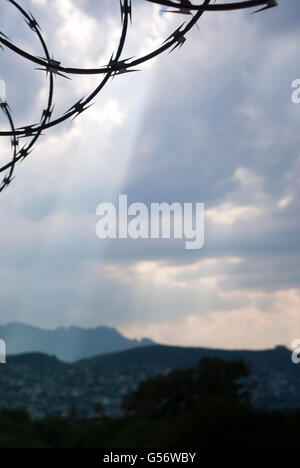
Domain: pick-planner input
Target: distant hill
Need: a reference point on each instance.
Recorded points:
(44, 385)
(67, 344)
(278, 359)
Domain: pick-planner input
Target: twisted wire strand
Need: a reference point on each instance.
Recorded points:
(115, 67)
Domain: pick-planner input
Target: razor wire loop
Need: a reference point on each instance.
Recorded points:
(52, 66)
(115, 67)
(25, 150)
(35, 130)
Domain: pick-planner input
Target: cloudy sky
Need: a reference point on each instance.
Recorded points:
(211, 123)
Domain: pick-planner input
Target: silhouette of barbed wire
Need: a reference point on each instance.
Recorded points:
(116, 66)
(23, 152)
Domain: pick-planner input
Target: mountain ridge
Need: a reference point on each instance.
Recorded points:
(68, 344)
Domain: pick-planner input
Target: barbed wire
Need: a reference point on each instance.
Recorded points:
(23, 152)
(116, 66)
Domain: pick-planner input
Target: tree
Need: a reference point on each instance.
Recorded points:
(180, 389)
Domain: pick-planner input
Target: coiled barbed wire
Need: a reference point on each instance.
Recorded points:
(24, 151)
(116, 66)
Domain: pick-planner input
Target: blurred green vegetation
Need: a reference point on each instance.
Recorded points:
(201, 407)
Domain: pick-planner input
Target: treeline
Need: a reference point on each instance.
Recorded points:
(203, 407)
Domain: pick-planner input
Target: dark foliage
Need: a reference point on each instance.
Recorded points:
(202, 407)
